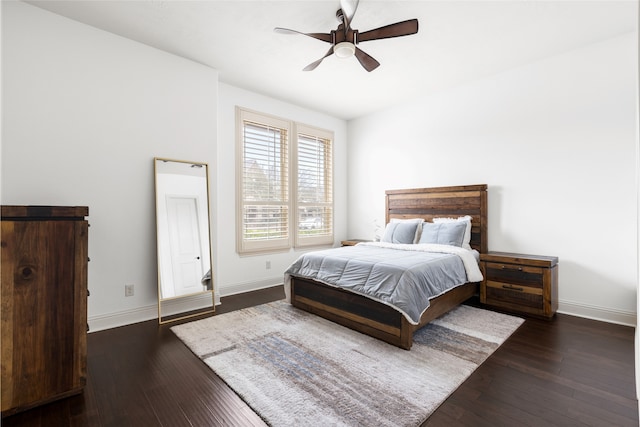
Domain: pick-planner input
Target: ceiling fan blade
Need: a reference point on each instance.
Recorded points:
(325, 37)
(367, 61)
(349, 9)
(315, 64)
(398, 29)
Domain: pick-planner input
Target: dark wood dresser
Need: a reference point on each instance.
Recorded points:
(44, 255)
(524, 284)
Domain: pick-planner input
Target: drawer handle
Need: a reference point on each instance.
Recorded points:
(504, 267)
(513, 288)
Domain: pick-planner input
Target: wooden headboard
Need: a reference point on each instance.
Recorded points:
(435, 202)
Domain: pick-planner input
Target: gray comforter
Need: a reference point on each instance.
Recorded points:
(404, 277)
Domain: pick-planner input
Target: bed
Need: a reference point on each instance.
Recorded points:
(376, 318)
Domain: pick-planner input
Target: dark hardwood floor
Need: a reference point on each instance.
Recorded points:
(565, 372)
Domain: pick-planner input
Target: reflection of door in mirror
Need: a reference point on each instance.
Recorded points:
(182, 214)
(184, 246)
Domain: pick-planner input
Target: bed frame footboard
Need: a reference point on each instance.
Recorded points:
(368, 316)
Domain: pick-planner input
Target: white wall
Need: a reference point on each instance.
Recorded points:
(84, 113)
(554, 141)
(241, 273)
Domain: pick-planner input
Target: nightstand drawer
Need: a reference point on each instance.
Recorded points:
(515, 274)
(353, 242)
(499, 293)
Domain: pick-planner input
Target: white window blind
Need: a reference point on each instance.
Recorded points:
(314, 187)
(264, 183)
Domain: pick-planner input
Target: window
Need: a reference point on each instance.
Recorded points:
(314, 187)
(276, 211)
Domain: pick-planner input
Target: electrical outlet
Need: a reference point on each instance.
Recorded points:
(128, 290)
(268, 265)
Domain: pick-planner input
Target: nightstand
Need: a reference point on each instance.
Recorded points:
(352, 242)
(525, 284)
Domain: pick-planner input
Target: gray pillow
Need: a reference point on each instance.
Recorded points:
(400, 232)
(443, 233)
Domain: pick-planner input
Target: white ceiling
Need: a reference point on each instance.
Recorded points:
(458, 41)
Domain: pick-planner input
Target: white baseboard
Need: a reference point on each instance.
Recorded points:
(620, 317)
(122, 318)
(181, 305)
(150, 312)
(141, 314)
(239, 288)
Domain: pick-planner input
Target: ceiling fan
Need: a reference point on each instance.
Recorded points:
(344, 39)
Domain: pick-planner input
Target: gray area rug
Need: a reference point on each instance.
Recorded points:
(294, 368)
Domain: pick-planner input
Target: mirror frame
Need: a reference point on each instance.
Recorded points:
(198, 311)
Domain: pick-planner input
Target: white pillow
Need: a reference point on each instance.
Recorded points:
(467, 233)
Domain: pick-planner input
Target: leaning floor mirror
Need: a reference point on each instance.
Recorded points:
(185, 279)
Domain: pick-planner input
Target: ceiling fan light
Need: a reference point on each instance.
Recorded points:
(344, 50)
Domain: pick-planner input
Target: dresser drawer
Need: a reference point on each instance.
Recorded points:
(515, 274)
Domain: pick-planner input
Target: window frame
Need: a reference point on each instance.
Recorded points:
(296, 237)
(247, 246)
